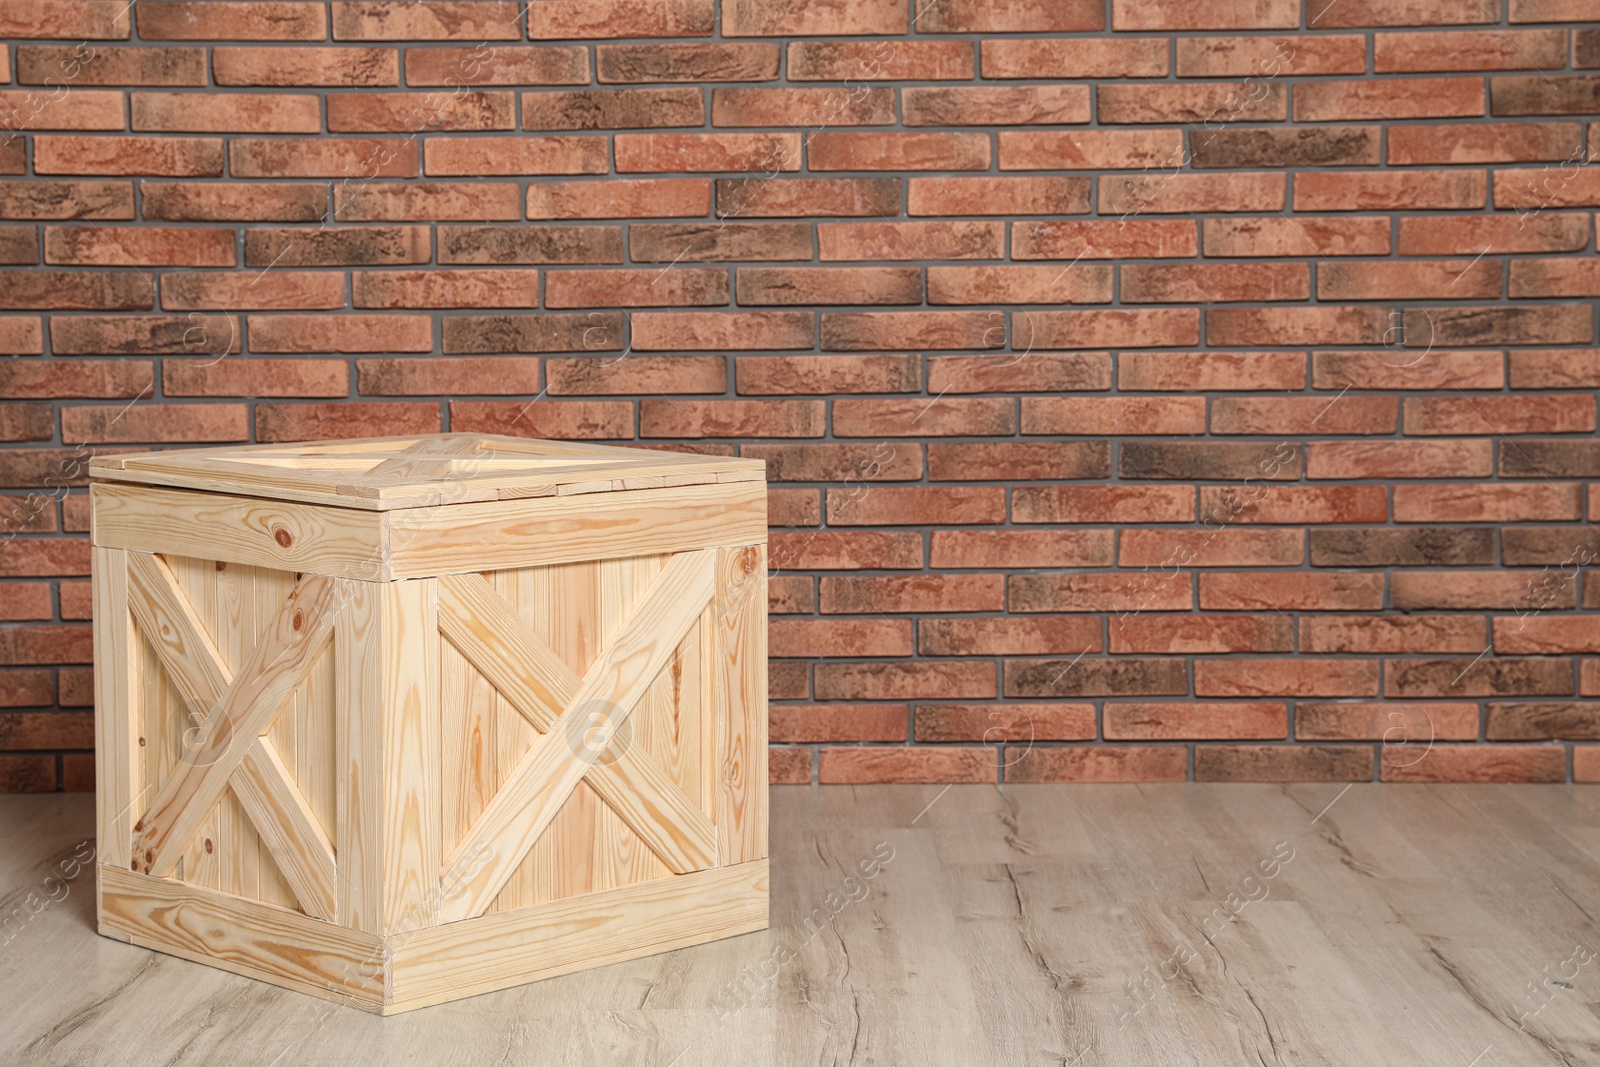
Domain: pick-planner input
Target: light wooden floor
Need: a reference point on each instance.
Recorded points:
(1404, 924)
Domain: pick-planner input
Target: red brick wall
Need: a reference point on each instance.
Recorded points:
(1150, 389)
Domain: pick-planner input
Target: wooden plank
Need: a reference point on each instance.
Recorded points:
(274, 668)
(243, 936)
(523, 533)
(527, 944)
(534, 793)
(412, 805)
(288, 827)
(119, 785)
(170, 623)
(358, 822)
(237, 529)
(741, 694)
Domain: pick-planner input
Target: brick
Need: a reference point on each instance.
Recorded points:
(827, 375)
(242, 377)
(1266, 591)
(1120, 415)
(998, 196)
(155, 423)
(1489, 142)
(867, 330)
(589, 376)
(571, 19)
(742, 331)
(306, 66)
(45, 644)
(354, 158)
(1266, 56)
(1483, 763)
(1007, 16)
(1543, 94)
(568, 420)
(905, 681)
(1538, 278)
(26, 421)
(956, 239)
(47, 730)
(788, 766)
(956, 461)
(414, 113)
(719, 62)
(837, 462)
(109, 65)
(1148, 283)
(1165, 194)
(232, 20)
(1444, 235)
(444, 289)
(66, 18)
(19, 246)
(898, 151)
(1469, 590)
(432, 201)
(840, 765)
(21, 336)
(1207, 460)
(82, 109)
(1202, 102)
(1428, 546)
(80, 290)
(702, 242)
(1001, 105)
(1412, 98)
(1554, 369)
(1095, 677)
(1293, 504)
(1021, 285)
(1296, 326)
(1442, 279)
(64, 378)
(842, 637)
(197, 336)
(1301, 677)
(1181, 15)
(781, 107)
(1438, 369)
(1487, 503)
(1542, 189)
(685, 287)
(1549, 545)
(338, 246)
(643, 198)
(377, 20)
(788, 681)
(898, 61)
(1499, 415)
(213, 112)
(806, 197)
(1210, 371)
(1099, 763)
(28, 774)
(1108, 239)
(1543, 722)
(14, 153)
(1389, 191)
(1299, 236)
(1029, 636)
(1547, 635)
(187, 157)
(789, 595)
(536, 65)
(233, 202)
(1325, 634)
(828, 285)
(1022, 548)
(1074, 57)
(813, 18)
(595, 332)
(1547, 324)
(1474, 50)
(1202, 633)
(532, 244)
(846, 550)
(995, 723)
(315, 422)
(1200, 721)
(136, 246)
(340, 333)
(612, 109)
(516, 155)
(1099, 592)
(30, 686)
(302, 290)
(66, 200)
(916, 506)
(692, 152)
(43, 557)
(1324, 14)
(838, 722)
(1282, 763)
(1089, 150)
(1102, 503)
(489, 375)
(1141, 328)
(1211, 548)
(1399, 726)
(1034, 372)
(730, 418)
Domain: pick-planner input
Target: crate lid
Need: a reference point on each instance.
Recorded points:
(427, 470)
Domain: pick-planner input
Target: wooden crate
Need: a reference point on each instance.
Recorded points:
(404, 720)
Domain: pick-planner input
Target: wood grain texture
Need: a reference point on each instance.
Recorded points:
(740, 702)
(119, 785)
